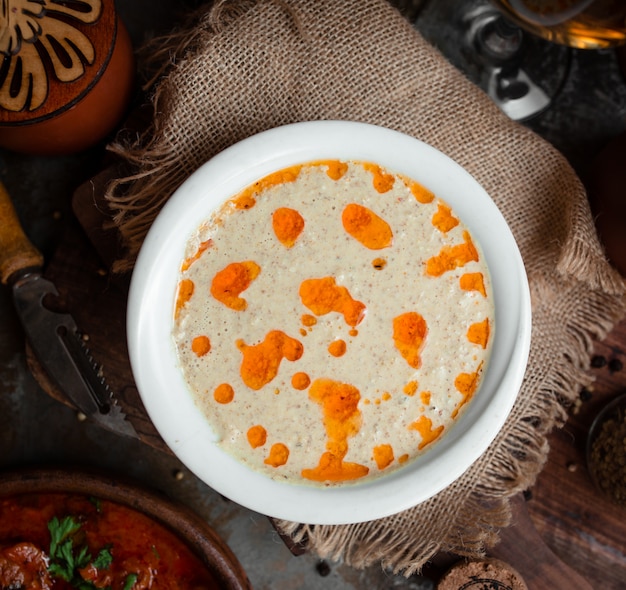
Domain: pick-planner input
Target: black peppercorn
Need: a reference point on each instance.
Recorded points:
(585, 395)
(598, 361)
(323, 569)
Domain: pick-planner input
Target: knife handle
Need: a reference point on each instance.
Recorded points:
(16, 251)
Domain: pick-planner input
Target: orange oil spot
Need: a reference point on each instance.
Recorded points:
(257, 436)
(379, 263)
(451, 257)
(300, 381)
(466, 384)
(386, 396)
(261, 361)
(403, 458)
(478, 333)
(421, 193)
(409, 333)
(201, 345)
(424, 426)
(382, 181)
(224, 393)
(425, 397)
(308, 320)
(383, 455)
(246, 198)
(337, 348)
(288, 225)
(201, 248)
(339, 402)
(342, 419)
(335, 168)
(332, 468)
(366, 227)
(353, 333)
(443, 219)
(473, 281)
(185, 291)
(231, 281)
(410, 388)
(323, 296)
(279, 453)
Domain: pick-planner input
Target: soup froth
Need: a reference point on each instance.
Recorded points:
(332, 321)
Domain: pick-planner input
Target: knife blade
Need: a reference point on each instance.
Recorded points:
(54, 337)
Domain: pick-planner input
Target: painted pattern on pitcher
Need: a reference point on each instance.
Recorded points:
(36, 32)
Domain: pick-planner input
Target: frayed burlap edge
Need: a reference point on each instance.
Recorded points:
(586, 261)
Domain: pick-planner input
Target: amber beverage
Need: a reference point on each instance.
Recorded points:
(585, 24)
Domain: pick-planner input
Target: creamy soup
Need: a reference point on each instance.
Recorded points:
(332, 322)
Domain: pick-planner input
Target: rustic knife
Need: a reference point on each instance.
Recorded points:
(54, 337)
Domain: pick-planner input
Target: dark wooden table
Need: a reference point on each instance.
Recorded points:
(581, 526)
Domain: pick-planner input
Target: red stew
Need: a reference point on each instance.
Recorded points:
(138, 552)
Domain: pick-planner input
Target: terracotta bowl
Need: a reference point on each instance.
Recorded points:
(186, 525)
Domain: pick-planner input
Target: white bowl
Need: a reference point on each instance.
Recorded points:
(150, 320)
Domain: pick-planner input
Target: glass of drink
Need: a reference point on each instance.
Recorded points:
(583, 24)
(523, 45)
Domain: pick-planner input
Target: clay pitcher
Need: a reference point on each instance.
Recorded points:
(66, 76)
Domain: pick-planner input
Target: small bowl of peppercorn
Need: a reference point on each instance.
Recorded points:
(606, 450)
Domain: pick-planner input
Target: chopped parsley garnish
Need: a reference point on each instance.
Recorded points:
(60, 531)
(130, 581)
(66, 560)
(103, 560)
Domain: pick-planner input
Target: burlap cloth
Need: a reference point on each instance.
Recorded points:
(243, 67)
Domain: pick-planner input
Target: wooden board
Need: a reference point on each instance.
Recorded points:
(97, 302)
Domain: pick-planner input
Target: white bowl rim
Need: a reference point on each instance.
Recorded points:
(151, 301)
